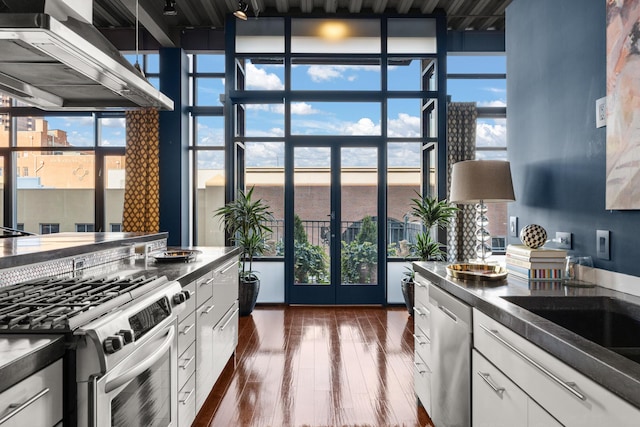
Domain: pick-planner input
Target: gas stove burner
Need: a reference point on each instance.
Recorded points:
(66, 303)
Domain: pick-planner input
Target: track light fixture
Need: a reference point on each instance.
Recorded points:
(169, 8)
(241, 13)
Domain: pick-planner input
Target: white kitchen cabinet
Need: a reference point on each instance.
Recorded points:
(497, 401)
(422, 342)
(568, 396)
(205, 380)
(187, 357)
(538, 417)
(216, 326)
(35, 401)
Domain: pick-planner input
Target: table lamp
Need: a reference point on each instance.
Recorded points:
(480, 182)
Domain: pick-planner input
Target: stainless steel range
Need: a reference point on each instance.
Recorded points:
(121, 333)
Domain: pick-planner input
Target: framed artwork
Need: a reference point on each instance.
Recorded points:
(623, 104)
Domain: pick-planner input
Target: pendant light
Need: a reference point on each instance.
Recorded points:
(241, 13)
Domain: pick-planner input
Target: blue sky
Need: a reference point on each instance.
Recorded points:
(322, 118)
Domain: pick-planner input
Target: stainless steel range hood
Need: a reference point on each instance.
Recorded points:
(52, 57)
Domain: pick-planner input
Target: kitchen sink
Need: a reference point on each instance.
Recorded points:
(606, 321)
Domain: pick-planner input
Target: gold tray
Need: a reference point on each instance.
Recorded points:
(477, 272)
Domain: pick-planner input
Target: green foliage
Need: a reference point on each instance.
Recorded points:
(409, 274)
(433, 212)
(244, 219)
(368, 231)
(310, 263)
(427, 249)
(299, 233)
(357, 261)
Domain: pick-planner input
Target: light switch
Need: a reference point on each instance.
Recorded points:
(602, 244)
(513, 226)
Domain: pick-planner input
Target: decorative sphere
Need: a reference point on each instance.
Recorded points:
(533, 236)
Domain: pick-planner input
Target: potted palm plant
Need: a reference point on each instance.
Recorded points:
(245, 221)
(432, 213)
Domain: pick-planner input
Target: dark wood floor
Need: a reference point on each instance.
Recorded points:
(319, 366)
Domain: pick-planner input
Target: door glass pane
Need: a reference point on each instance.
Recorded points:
(359, 224)
(403, 178)
(312, 215)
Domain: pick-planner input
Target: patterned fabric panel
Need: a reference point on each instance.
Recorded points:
(141, 211)
(461, 145)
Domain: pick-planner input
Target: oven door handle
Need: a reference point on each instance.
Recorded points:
(146, 364)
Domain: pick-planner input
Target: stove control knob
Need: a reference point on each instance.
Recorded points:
(179, 298)
(113, 343)
(127, 335)
(187, 295)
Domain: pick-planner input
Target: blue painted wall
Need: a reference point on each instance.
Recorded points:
(556, 69)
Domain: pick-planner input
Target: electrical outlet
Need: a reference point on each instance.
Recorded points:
(513, 226)
(563, 239)
(602, 244)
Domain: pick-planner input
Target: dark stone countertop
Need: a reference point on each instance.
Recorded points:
(21, 355)
(613, 371)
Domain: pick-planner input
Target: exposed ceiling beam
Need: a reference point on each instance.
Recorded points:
(477, 10)
(306, 6)
(497, 11)
(187, 10)
(403, 6)
(379, 6)
(330, 6)
(150, 17)
(214, 16)
(355, 6)
(104, 15)
(453, 6)
(282, 6)
(428, 6)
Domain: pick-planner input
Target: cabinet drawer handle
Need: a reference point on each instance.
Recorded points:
(569, 386)
(417, 338)
(448, 312)
(187, 397)
(229, 320)
(485, 376)
(420, 370)
(187, 362)
(186, 330)
(208, 310)
(228, 267)
(419, 311)
(420, 284)
(207, 282)
(19, 407)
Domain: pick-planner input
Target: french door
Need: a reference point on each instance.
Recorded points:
(336, 253)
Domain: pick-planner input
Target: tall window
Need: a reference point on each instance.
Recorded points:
(206, 97)
(482, 79)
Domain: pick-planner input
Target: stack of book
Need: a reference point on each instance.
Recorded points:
(535, 264)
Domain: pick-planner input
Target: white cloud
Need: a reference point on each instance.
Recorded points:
(258, 78)
(319, 73)
(113, 122)
(404, 126)
(491, 134)
(493, 103)
(302, 108)
(364, 126)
